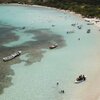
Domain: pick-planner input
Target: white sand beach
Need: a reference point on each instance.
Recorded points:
(95, 21)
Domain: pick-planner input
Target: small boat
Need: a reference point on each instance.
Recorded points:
(12, 56)
(68, 32)
(79, 27)
(90, 23)
(73, 24)
(97, 21)
(53, 46)
(87, 20)
(80, 79)
(53, 25)
(88, 31)
(23, 27)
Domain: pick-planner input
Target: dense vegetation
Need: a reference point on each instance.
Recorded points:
(88, 8)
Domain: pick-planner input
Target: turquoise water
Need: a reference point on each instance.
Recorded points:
(38, 80)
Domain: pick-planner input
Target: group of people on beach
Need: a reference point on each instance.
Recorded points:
(80, 78)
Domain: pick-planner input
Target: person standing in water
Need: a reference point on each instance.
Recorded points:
(57, 83)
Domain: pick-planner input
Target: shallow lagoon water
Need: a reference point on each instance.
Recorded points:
(38, 79)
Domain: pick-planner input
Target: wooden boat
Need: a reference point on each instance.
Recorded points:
(53, 46)
(12, 56)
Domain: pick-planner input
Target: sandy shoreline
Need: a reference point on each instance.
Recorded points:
(95, 21)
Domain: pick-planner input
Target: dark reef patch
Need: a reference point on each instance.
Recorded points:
(7, 34)
(35, 50)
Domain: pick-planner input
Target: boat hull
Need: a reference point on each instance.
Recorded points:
(8, 58)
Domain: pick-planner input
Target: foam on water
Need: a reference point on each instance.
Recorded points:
(38, 80)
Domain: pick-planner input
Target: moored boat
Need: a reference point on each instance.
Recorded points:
(88, 31)
(12, 56)
(79, 27)
(68, 32)
(90, 23)
(53, 46)
(73, 24)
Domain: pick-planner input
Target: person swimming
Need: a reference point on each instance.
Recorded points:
(62, 91)
(57, 83)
